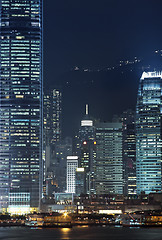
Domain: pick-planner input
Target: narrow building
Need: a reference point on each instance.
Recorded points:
(109, 165)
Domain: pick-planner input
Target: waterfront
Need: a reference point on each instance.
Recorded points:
(82, 233)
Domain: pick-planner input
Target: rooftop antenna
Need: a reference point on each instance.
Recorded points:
(86, 109)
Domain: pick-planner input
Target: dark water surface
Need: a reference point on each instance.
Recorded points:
(86, 233)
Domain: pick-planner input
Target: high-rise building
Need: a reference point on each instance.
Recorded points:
(52, 115)
(80, 181)
(148, 133)
(72, 165)
(86, 150)
(129, 152)
(59, 165)
(20, 104)
(52, 111)
(109, 165)
(47, 118)
(56, 98)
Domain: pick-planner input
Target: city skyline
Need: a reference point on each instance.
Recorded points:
(48, 148)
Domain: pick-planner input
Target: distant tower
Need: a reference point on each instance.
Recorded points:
(148, 133)
(129, 152)
(56, 104)
(72, 165)
(109, 165)
(86, 150)
(62, 149)
(52, 116)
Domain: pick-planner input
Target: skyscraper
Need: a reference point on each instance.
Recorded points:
(21, 103)
(109, 165)
(52, 115)
(56, 115)
(59, 166)
(86, 150)
(129, 151)
(148, 133)
(72, 165)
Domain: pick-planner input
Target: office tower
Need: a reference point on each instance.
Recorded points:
(87, 129)
(56, 115)
(109, 166)
(72, 165)
(21, 104)
(52, 107)
(86, 150)
(80, 181)
(46, 134)
(52, 115)
(148, 133)
(47, 118)
(129, 152)
(58, 166)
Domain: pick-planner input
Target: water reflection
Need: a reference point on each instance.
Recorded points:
(84, 226)
(65, 233)
(65, 230)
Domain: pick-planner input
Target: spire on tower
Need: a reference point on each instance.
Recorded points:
(87, 109)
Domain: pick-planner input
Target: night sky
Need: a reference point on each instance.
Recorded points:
(96, 34)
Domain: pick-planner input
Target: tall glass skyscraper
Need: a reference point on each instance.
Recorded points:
(20, 103)
(148, 133)
(129, 152)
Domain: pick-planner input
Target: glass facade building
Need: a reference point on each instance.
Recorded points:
(21, 100)
(129, 152)
(86, 150)
(109, 164)
(148, 133)
(72, 165)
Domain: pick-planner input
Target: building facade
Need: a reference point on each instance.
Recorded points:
(129, 152)
(72, 165)
(109, 165)
(148, 133)
(86, 150)
(21, 103)
(59, 166)
(52, 118)
(52, 114)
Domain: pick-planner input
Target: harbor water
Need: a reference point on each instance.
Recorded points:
(82, 233)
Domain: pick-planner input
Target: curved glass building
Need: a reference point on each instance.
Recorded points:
(20, 103)
(148, 133)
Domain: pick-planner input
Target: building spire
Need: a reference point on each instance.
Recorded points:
(87, 109)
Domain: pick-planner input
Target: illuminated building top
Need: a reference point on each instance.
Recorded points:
(72, 157)
(86, 123)
(151, 75)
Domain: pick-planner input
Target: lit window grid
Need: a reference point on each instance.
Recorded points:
(17, 65)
